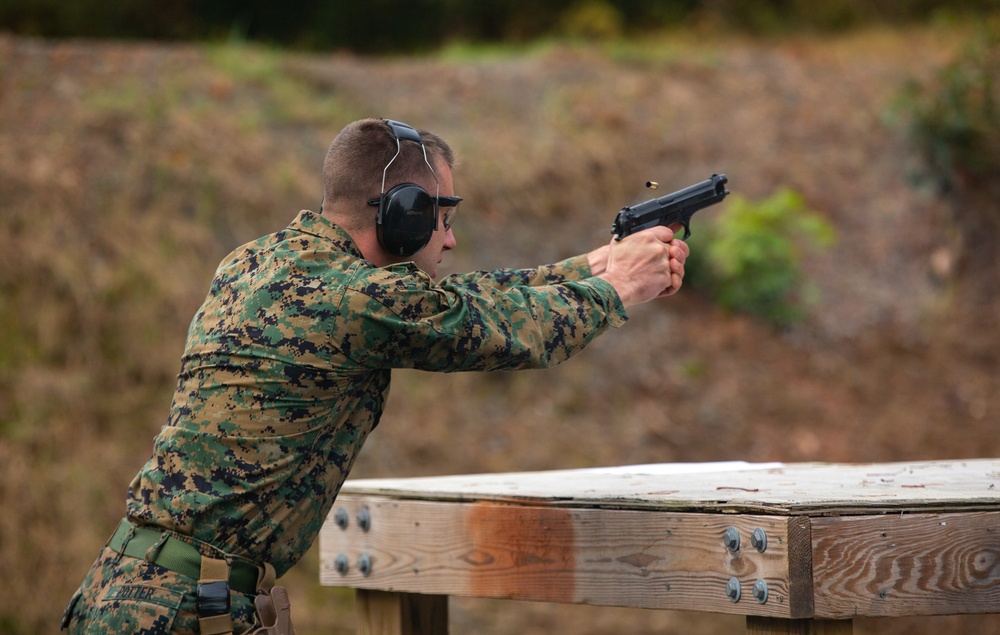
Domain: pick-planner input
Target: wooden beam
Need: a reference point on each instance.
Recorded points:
(773, 626)
(386, 613)
(610, 557)
(906, 564)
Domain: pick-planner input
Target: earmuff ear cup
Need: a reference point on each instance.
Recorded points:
(406, 219)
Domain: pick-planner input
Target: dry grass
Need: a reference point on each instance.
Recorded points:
(127, 172)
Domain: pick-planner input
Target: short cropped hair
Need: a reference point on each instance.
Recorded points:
(352, 170)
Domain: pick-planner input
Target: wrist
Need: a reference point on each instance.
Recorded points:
(621, 286)
(598, 260)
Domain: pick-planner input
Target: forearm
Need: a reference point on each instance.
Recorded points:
(576, 268)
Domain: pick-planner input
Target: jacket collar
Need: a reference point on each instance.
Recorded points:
(322, 227)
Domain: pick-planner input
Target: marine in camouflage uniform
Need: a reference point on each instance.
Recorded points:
(285, 373)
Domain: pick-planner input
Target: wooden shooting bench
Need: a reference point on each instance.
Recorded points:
(797, 548)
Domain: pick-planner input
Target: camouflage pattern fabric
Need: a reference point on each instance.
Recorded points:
(130, 595)
(287, 367)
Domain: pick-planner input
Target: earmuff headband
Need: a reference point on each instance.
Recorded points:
(401, 131)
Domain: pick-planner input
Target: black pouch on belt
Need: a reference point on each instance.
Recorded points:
(213, 597)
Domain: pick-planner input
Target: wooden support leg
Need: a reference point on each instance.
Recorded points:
(777, 626)
(386, 613)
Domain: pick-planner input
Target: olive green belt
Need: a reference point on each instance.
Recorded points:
(178, 556)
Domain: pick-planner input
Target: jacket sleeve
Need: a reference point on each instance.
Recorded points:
(575, 268)
(397, 317)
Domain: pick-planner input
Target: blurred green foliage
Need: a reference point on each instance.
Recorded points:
(592, 19)
(750, 256)
(954, 119)
(393, 26)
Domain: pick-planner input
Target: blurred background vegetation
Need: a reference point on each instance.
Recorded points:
(391, 26)
(841, 305)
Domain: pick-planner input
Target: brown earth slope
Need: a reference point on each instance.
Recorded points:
(128, 171)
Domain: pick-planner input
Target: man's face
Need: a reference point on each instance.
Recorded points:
(442, 240)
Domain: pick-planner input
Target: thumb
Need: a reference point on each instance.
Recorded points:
(284, 609)
(265, 608)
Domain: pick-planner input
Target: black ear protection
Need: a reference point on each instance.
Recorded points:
(407, 214)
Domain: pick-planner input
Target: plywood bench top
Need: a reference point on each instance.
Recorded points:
(761, 488)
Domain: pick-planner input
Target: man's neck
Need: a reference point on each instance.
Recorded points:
(366, 238)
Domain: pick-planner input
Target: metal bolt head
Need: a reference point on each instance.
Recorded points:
(759, 539)
(733, 590)
(340, 564)
(731, 539)
(340, 518)
(760, 591)
(365, 564)
(364, 519)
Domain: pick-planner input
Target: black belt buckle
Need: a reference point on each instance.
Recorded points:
(213, 598)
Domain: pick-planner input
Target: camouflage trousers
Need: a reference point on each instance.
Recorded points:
(130, 595)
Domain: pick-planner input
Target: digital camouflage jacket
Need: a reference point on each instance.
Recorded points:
(286, 371)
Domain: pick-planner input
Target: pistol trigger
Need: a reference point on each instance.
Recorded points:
(687, 230)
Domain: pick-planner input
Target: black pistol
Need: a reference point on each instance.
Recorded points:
(678, 207)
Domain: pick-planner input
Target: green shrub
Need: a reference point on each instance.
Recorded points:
(592, 20)
(954, 123)
(749, 257)
(954, 120)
